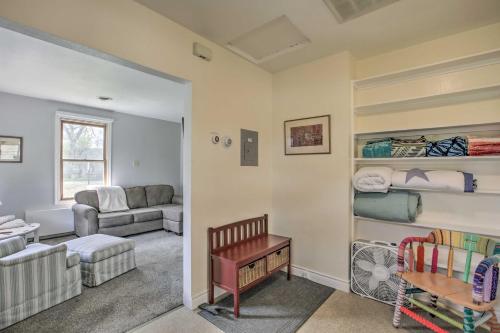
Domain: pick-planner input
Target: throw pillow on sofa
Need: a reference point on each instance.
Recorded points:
(159, 194)
(136, 197)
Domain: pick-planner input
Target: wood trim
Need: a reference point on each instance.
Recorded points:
(307, 118)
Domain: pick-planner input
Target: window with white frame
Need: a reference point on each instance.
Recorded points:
(83, 154)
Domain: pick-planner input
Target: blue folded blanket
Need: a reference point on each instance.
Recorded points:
(397, 206)
(456, 146)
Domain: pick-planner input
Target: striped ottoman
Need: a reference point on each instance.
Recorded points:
(103, 257)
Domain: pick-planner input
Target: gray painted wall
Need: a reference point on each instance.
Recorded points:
(30, 185)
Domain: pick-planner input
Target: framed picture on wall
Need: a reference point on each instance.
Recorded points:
(11, 149)
(307, 136)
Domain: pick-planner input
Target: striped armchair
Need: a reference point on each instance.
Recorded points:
(34, 278)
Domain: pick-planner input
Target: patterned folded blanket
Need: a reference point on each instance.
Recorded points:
(456, 146)
(446, 180)
(409, 147)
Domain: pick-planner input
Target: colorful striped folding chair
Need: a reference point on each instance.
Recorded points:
(478, 296)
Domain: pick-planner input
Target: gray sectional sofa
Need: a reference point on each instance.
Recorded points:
(152, 207)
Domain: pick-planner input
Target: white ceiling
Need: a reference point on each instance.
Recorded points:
(398, 25)
(35, 68)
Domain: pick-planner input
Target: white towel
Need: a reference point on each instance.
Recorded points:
(13, 224)
(437, 180)
(7, 218)
(373, 179)
(111, 199)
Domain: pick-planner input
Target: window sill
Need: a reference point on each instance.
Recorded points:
(65, 203)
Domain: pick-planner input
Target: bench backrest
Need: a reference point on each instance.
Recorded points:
(231, 234)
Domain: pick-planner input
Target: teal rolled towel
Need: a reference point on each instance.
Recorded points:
(397, 206)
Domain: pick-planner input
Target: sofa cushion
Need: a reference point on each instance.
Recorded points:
(159, 194)
(88, 197)
(11, 245)
(146, 214)
(72, 259)
(107, 220)
(98, 247)
(136, 197)
(171, 212)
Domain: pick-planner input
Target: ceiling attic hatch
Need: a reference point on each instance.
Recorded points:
(345, 10)
(268, 41)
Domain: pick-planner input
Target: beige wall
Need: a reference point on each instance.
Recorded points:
(441, 49)
(311, 192)
(228, 94)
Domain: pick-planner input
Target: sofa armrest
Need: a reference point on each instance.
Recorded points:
(85, 219)
(20, 259)
(177, 199)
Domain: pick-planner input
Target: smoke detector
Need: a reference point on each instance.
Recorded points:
(345, 10)
(268, 41)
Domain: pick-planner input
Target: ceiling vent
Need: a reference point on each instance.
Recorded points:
(268, 41)
(345, 10)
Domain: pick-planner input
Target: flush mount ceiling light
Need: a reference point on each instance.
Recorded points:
(345, 10)
(268, 41)
(105, 98)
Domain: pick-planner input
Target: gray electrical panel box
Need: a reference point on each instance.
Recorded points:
(249, 148)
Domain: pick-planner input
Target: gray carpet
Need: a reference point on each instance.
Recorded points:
(276, 305)
(125, 302)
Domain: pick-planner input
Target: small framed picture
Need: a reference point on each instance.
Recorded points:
(11, 149)
(307, 136)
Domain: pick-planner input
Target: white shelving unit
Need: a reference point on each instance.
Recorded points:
(445, 213)
(442, 67)
(425, 224)
(420, 102)
(426, 159)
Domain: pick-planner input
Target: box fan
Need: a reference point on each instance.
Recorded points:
(374, 266)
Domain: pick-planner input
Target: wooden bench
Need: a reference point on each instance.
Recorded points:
(243, 254)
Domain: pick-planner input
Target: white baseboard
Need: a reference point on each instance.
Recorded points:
(203, 297)
(321, 278)
(324, 279)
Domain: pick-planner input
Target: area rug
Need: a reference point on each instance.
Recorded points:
(275, 305)
(125, 302)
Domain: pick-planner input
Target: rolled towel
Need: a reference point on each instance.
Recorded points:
(7, 218)
(13, 224)
(373, 179)
(397, 206)
(444, 180)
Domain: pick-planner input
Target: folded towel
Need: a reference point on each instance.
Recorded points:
(111, 199)
(397, 206)
(483, 146)
(444, 180)
(13, 224)
(373, 179)
(7, 218)
(378, 148)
